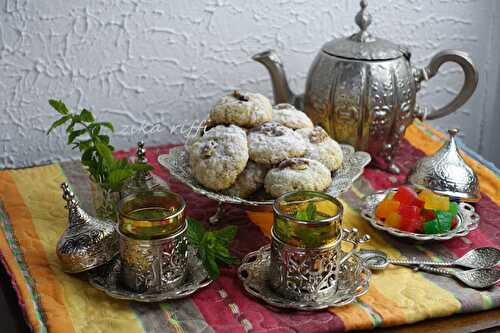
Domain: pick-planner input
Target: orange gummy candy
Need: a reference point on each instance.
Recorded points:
(385, 208)
(393, 220)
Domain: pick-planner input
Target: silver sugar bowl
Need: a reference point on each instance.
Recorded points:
(87, 242)
(153, 241)
(362, 89)
(306, 254)
(447, 173)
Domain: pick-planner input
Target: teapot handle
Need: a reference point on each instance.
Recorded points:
(468, 88)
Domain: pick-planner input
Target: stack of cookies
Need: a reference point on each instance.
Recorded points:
(249, 145)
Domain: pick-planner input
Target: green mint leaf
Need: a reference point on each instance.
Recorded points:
(311, 211)
(59, 106)
(106, 154)
(195, 231)
(84, 145)
(74, 134)
(108, 125)
(86, 116)
(226, 234)
(141, 167)
(58, 123)
(104, 139)
(116, 177)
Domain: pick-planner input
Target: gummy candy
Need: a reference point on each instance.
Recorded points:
(424, 194)
(385, 208)
(405, 195)
(432, 227)
(453, 208)
(437, 202)
(444, 219)
(409, 212)
(411, 225)
(393, 220)
(428, 214)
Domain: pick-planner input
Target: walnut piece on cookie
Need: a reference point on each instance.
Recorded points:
(297, 174)
(321, 147)
(271, 143)
(287, 115)
(219, 156)
(243, 109)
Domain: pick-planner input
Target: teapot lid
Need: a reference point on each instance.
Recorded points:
(363, 45)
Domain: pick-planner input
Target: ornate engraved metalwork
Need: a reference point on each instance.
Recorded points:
(353, 281)
(305, 274)
(467, 220)
(107, 279)
(88, 242)
(177, 163)
(344, 89)
(447, 173)
(154, 265)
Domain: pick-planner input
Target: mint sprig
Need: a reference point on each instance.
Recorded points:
(307, 214)
(85, 133)
(212, 246)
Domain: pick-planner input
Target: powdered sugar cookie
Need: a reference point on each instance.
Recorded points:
(271, 143)
(219, 156)
(242, 109)
(297, 174)
(287, 115)
(249, 181)
(321, 147)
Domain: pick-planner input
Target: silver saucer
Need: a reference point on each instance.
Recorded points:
(467, 220)
(106, 279)
(354, 280)
(177, 163)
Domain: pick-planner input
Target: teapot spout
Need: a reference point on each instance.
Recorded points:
(281, 90)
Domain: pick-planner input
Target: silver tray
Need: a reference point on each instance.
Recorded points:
(177, 163)
(467, 219)
(106, 279)
(253, 272)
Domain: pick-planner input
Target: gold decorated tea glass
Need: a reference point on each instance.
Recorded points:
(306, 238)
(153, 243)
(307, 219)
(151, 214)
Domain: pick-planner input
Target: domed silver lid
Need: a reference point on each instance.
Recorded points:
(87, 242)
(446, 173)
(363, 45)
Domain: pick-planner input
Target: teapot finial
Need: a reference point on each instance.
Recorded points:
(141, 152)
(363, 20)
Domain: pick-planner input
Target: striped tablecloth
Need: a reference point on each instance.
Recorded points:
(33, 217)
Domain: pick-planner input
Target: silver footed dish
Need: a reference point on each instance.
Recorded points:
(107, 279)
(177, 163)
(354, 279)
(467, 220)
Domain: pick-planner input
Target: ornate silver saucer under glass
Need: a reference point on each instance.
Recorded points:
(107, 279)
(177, 163)
(353, 282)
(467, 220)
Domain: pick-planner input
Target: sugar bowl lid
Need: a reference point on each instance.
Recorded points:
(446, 173)
(87, 242)
(363, 45)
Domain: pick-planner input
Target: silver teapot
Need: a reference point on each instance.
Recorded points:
(361, 89)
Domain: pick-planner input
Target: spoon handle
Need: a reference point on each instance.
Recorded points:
(405, 262)
(435, 270)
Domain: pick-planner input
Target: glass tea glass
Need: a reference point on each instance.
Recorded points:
(151, 215)
(307, 219)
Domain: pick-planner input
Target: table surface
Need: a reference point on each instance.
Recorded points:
(12, 320)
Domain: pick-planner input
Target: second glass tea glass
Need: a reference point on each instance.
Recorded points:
(306, 255)
(153, 243)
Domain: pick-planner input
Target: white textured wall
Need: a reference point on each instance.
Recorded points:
(168, 61)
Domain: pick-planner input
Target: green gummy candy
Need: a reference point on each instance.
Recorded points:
(432, 227)
(453, 208)
(444, 219)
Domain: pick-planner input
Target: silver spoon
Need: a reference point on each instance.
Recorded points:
(478, 278)
(481, 257)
